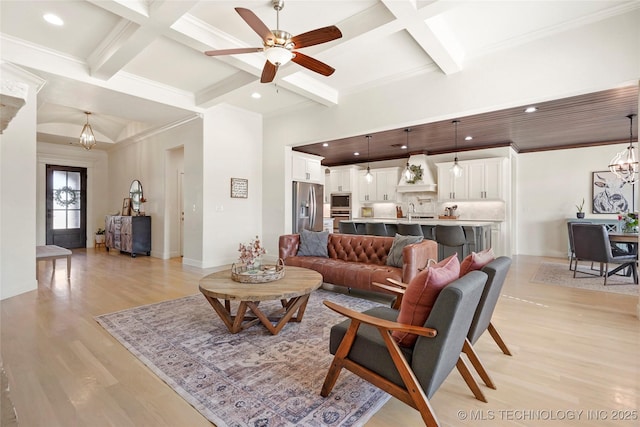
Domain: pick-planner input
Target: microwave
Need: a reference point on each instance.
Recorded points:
(340, 200)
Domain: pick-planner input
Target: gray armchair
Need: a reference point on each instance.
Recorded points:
(591, 243)
(363, 344)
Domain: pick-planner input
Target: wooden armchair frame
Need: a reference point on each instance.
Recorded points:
(413, 394)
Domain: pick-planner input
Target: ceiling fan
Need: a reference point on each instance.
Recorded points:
(280, 47)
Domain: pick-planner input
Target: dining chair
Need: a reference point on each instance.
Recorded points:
(364, 345)
(591, 243)
(572, 253)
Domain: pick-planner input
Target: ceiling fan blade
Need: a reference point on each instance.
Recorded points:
(255, 23)
(312, 64)
(234, 51)
(268, 72)
(313, 37)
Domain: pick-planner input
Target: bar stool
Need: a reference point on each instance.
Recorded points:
(428, 231)
(361, 228)
(376, 228)
(452, 236)
(409, 229)
(392, 229)
(347, 227)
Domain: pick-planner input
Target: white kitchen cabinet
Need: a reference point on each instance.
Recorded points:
(306, 168)
(485, 179)
(451, 187)
(341, 180)
(366, 190)
(481, 179)
(386, 183)
(382, 187)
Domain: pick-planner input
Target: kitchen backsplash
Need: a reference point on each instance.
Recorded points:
(467, 210)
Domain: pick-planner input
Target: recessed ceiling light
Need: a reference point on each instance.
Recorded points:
(403, 147)
(53, 19)
(326, 144)
(256, 95)
(468, 138)
(531, 109)
(356, 154)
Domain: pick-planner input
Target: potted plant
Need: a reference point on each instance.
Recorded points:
(100, 235)
(580, 213)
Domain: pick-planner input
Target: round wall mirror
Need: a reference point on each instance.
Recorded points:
(137, 197)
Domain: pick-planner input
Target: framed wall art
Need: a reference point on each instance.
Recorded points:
(611, 195)
(239, 188)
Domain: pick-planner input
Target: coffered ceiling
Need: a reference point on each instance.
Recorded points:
(139, 66)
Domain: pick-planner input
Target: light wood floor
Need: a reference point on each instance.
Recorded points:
(576, 353)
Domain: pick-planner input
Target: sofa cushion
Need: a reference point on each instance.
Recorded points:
(399, 242)
(313, 243)
(422, 293)
(476, 260)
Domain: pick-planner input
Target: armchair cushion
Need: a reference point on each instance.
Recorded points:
(399, 242)
(476, 261)
(421, 294)
(313, 243)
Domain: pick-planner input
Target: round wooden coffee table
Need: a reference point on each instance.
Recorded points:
(292, 290)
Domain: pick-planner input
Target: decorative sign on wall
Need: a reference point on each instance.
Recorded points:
(126, 206)
(239, 188)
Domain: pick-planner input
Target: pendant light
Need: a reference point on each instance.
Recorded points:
(368, 176)
(625, 163)
(456, 169)
(408, 174)
(87, 140)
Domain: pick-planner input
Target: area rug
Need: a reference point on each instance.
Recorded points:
(559, 274)
(251, 378)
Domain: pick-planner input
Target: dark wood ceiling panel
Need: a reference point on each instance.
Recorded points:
(593, 119)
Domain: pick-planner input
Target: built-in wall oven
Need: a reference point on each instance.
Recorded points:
(340, 208)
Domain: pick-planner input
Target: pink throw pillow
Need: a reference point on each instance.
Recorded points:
(476, 260)
(422, 293)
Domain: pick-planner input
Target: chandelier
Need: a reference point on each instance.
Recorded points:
(87, 140)
(625, 163)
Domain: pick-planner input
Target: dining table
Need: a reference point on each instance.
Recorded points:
(631, 241)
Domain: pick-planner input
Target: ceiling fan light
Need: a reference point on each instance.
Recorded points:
(278, 56)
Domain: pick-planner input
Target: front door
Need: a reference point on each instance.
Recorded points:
(66, 206)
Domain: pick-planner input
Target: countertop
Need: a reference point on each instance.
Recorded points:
(467, 223)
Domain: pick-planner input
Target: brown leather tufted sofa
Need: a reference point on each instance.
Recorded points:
(355, 261)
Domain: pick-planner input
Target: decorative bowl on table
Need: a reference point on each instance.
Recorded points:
(263, 274)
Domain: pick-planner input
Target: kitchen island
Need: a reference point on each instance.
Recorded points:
(477, 232)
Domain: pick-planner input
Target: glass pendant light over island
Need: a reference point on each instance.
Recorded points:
(368, 176)
(456, 169)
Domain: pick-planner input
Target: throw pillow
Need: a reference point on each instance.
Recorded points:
(313, 243)
(476, 260)
(394, 258)
(422, 293)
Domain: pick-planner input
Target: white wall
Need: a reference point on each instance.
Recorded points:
(18, 192)
(551, 183)
(97, 184)
(232, 148)
(146, 161)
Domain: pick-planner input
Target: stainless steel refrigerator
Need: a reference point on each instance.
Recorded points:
(307, 206)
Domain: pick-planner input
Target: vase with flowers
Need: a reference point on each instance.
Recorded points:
(251, 254)
(629, 221)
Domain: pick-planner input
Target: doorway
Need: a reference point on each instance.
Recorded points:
(66, 193)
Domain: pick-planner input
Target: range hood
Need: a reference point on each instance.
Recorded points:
(426, 185)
